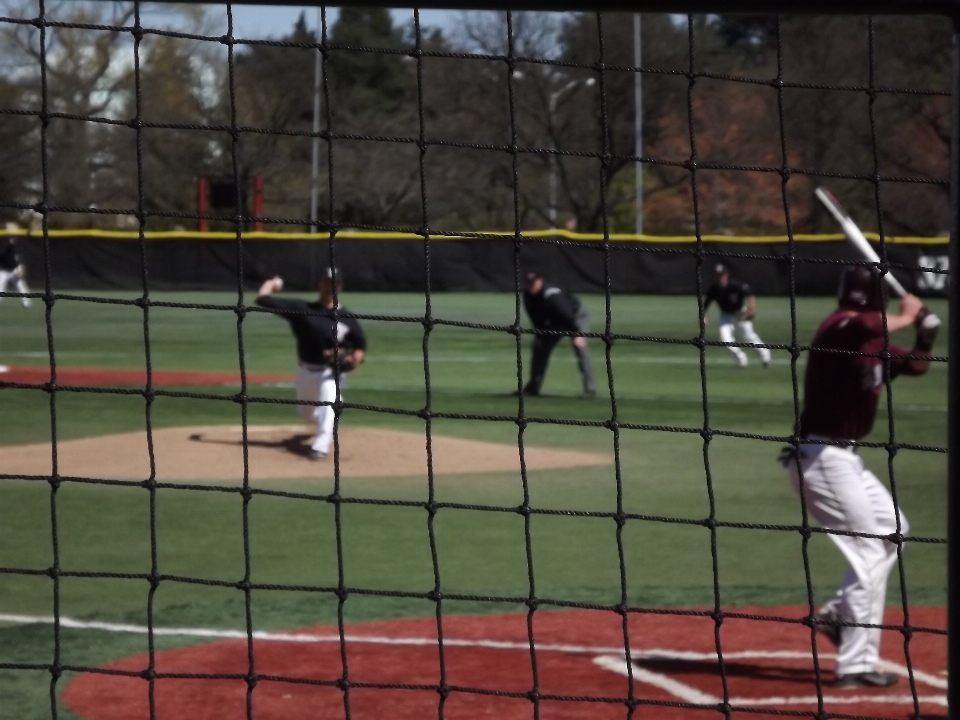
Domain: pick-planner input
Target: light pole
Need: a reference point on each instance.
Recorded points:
(554, 97)
(315, 160)
(638, 122)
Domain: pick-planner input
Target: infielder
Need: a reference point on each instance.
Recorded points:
(551, 308)
(11, 269)
(328, 344)
(840, 403)
(738, 307)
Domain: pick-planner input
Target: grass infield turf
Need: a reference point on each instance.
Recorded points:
(472, 371)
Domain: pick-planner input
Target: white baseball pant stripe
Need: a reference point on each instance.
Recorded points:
(319, 385)
(12, 278)
(731, 325)
(842, 495)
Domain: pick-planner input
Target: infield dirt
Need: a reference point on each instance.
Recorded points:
(395, 670)
(215, 453)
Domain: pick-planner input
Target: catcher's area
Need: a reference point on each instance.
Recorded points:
(395, 669)
(276, 452)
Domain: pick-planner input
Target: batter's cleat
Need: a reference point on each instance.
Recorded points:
(865, 680)
(317, 455)
(589, 394)
(766, 364)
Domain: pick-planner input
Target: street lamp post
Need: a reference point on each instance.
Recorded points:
(315, 160)
(554, 97)
(638, 122)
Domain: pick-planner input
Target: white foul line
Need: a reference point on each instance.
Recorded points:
(653, 654)
(71, 623)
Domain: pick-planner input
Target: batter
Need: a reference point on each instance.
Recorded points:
(840, 403)
(738, 307)
(329, 346)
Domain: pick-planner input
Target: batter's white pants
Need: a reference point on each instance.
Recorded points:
(318, 384)
(11, 278)
(731, 325)
(842, 495)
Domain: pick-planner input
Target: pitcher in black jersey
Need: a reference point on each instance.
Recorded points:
(11, 269)
(328, 344)
(738, 307)
(551, 308)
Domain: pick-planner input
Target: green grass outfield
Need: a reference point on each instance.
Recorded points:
(199, 535)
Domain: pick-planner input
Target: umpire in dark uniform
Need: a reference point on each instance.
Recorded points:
(551, 308)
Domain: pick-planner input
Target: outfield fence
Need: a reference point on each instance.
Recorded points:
(468, 261)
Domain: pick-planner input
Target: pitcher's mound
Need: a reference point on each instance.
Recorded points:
(215, 453)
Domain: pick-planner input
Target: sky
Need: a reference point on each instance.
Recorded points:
(260, 21)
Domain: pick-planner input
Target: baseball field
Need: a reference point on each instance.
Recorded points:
(296, 546)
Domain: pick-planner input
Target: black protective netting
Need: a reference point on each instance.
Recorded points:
(423, 143)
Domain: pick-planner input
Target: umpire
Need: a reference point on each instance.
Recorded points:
(551, 308)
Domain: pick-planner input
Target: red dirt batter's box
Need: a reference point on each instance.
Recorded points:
(579, 656)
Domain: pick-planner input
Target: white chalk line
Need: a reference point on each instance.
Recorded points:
(680, 690)
(608, 657)
(927, 678)
(66, 622)
(643, 397)
(687, 693)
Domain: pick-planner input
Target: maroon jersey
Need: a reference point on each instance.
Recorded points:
(841, 391)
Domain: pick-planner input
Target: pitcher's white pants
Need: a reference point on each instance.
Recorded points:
(842, 495)
(731, 325)
(318, 384)
(13, 278)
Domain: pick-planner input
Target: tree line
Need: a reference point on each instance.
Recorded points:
(833, 100)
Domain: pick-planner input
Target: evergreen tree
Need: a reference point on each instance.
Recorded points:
(367, 83)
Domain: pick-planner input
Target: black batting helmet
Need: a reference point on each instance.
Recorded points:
(860, 289)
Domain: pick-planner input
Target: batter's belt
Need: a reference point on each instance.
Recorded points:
(789, 454)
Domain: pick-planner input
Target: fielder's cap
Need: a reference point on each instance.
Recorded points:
(720, 269)
(532, 275)
(328, 272)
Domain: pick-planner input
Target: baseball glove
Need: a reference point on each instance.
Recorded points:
(343, 355)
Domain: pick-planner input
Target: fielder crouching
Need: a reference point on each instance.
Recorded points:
(551, 308)
(840, 402)
(329, 345)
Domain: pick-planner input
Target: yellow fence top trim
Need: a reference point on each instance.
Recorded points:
(480, 235)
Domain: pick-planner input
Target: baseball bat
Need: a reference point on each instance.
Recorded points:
(853, 233)
(851, 230)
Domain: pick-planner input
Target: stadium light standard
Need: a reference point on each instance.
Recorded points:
(315, 159)
(554, 98)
